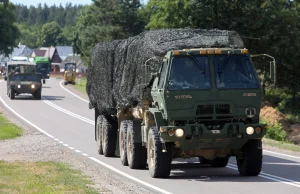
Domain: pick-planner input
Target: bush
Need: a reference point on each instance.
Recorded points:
(275, 131)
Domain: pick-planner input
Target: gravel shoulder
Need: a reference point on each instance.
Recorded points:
(35, 146)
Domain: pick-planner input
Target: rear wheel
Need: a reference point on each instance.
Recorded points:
(251, 162)
(202, 160)
(123, 143)
(219, 162)
(136, 152)
(98, 134)
(109, 137)
(65, 83)
(159, 162)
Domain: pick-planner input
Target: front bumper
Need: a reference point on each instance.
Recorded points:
(23, 89)
(198, 136)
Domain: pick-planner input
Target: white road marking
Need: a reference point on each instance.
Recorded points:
(84, 154)
(77, 151)
(56, 139)
(271, 177)
(61, 142)
(66, 145)
(72, 93)
(68, 112)
(282, 154)
(71, 148)
(129, 176)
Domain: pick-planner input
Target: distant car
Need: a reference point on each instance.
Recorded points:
(29, 83)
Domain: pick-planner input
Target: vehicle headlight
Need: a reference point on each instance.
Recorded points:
(19, 86)
(48, 74)
(249, 130)
(179, 132)
(32, 86)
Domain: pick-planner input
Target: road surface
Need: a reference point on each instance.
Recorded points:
(65, 118)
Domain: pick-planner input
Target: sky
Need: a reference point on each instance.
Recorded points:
(56, 2)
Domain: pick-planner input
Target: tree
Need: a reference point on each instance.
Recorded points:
(51, 34)
(9, 33)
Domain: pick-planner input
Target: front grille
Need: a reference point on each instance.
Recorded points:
(206, 109)
(223, 109)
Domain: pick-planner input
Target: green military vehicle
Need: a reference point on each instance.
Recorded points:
(22, 79)
(205, 104)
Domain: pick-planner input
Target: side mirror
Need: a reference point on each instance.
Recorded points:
(273, 71)
(5, 78)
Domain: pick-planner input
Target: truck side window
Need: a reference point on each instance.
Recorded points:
(163, 74)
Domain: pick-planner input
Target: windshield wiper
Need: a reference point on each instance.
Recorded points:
(197, 64)
(220, 70)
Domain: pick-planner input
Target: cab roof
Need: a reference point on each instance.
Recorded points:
(20, 63)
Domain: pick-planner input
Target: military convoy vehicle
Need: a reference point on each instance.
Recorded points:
(22, 78)
(43, 66)
(70, 73)
(204, 103)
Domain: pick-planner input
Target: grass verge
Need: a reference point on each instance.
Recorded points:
(80, 85)
(281, 145)
(8, 130)
(41, 177)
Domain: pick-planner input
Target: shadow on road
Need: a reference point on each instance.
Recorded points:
(275, 166)
(53, 98)
(46, 87)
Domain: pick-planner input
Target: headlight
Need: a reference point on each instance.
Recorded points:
(249, 130)
(32, 86)
(47, 74)
(179, 132)
(19, 86)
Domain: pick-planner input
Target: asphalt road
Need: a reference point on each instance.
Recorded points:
(66, 118)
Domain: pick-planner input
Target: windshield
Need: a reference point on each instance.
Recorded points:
(236, 74)
(42, 66)
(189, 74)
(69, 67)
(21, 68)
(21, 77)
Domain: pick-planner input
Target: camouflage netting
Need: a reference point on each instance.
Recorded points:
(116, 71)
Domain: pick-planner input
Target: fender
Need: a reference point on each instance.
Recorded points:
(159, 120)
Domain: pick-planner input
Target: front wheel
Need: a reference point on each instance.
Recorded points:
(251, 162)
(12, 94)
(219, 162)
(159, 162)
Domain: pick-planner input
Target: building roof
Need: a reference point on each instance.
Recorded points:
(48, 49)
(64, 51)
(39, 53)
(20, 50)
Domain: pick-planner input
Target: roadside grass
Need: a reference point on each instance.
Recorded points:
(8, 130)
(80, 85)
(42, 177)
(281, 145)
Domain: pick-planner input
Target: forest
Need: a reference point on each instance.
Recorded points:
(266, 26)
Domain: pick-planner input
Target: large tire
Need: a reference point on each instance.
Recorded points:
(38, 94)
(136, 152)
(98, 134)
(219, 162)
(251, 162)
(159, 162)
(12, 94)
(123, 143)
(109, 138)
(202, 160)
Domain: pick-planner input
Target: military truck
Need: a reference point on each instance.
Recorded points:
(43, 66)
(25, 83)
(23, 78)
(204, 102)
